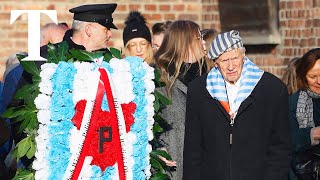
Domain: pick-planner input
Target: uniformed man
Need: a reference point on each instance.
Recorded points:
(91, 28)
(91, 31)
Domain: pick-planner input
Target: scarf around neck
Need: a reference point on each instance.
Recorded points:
(304, 110)
(216, 85)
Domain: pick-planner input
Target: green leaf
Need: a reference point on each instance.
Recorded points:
(18, 119)
(31, 106)
(15, 153)
(22, 172)
(23, 125)
(155, 164)
(24, 175)
(156, 157)
(163, 100)
(20, 112)
(159, 176)
(33, 121)
(30, 99)
(115, 52)
(62, 49)
(70, 60)
(36, 80)
(23, 146)
(82, 55)
(162, 153)
(107, 57)
(157, 128)
(21, 56)
(30, 67)
(25, 91)
(30, 121)
(162, 122)
(52, 54)
(8, 113)
(156, 104)
(157, 76)
(32, 150)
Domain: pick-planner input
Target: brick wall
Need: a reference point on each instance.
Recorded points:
(298, 24)
(299, 27)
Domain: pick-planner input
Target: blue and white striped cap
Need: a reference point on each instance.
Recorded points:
(224, 42)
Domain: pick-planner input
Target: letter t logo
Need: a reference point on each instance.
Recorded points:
(33, 30)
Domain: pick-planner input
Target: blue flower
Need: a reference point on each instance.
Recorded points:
(104, 105)
(107, 66)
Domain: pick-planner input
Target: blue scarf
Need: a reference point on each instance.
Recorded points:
(216, 85)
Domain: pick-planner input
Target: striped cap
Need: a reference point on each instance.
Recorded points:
(224, 42)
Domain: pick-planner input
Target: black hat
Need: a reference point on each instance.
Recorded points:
(136, 28)
(99, 13)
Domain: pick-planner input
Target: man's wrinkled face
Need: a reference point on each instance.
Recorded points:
(230, 65)
(100, 36)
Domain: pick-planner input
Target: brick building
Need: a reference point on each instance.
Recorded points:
(274, 31)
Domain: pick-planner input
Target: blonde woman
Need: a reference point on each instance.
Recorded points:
(180, 59)
(137, 37)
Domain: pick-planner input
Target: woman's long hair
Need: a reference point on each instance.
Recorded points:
(181, 42)
(290, 76)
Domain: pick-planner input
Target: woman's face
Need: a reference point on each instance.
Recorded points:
(138, 47)
(313, 77)
(157, 41)
(200, 45)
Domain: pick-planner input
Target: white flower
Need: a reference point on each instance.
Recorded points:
(119, 65)
(45, 87)
(43, 131)
(150, 71)
(150, 134)
(47, 66)
(86, 171)
(81, 79)
(123, 86)
(74, 139)
(43, 116)
(149, 86)
(147, 171)
(42, 101)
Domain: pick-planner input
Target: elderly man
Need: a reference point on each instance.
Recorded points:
(237, 125)
(91, 28)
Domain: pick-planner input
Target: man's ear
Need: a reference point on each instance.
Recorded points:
(88, 29)
(215, 64)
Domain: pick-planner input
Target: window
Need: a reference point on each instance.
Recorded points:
(257, 21)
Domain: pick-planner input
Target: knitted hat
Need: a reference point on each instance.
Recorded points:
(224, 42)
(136, 28)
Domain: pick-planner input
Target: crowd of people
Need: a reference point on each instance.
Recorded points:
(229, 118)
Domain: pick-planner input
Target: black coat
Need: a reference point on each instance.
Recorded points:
(71, 45)
(261, 134)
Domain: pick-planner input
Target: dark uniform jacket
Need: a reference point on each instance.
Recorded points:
(261, 142)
